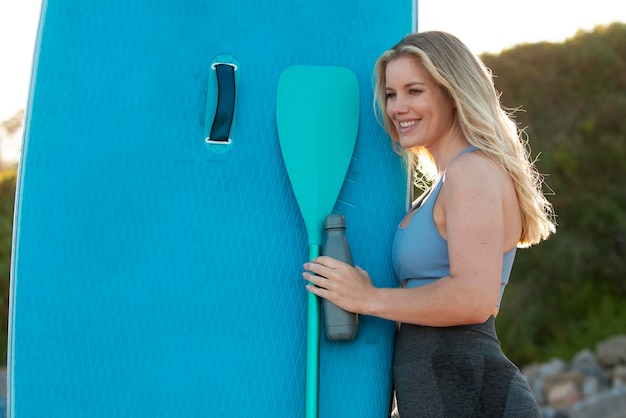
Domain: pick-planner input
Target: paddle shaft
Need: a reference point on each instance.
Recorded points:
(312, 347)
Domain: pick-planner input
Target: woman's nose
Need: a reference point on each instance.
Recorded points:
(398, 106)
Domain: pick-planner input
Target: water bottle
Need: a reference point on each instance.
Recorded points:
(339, 324)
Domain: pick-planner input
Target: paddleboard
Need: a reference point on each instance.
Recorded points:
(157, 258)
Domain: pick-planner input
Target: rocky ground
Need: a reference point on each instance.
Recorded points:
(591, 385)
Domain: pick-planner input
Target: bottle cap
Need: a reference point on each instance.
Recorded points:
(335, 220)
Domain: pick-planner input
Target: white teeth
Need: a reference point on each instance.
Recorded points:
(407, 124)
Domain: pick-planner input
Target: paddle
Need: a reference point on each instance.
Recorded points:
(317, 114)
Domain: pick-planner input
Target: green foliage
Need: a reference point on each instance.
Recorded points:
(567, 294)
(7, 197)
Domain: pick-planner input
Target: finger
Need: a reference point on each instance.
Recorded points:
(326, 261)
(319, 269)
(318, 291)
(319, 281)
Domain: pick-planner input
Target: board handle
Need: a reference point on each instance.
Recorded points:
(221, 99)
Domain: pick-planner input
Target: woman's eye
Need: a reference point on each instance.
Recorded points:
(414, 92)
(390, 95)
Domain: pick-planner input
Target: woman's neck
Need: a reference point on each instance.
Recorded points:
(446, 150)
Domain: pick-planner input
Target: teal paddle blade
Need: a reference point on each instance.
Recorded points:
(317, 115)
(317, 112)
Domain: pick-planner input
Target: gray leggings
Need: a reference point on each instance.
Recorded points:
(457, 372)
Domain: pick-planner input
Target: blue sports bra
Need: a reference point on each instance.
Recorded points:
(420, 254)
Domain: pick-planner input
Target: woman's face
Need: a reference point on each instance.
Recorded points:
(420, 110)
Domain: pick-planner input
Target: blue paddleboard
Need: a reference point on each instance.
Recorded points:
(158, 273)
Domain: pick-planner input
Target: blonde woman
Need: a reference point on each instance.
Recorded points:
(454, 250)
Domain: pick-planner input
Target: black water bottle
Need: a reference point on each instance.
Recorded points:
(339, 324)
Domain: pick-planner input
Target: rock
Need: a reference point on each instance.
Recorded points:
(563, 395)
(612, 351)
(619, 376)
(596, 378)
(609, 404)
(586, 362)
(553, 367)
(553, 413)
(592, 385)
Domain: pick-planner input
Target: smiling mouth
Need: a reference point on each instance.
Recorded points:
(408, 124)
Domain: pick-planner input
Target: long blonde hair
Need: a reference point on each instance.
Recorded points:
(483, 121)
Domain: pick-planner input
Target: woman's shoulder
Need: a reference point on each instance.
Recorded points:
(476, 174)
(475, 164)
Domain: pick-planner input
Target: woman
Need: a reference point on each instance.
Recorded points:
(454, 250)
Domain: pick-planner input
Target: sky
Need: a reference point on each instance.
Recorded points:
(493, 25)
(484, 25)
